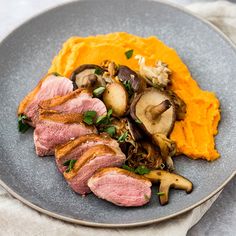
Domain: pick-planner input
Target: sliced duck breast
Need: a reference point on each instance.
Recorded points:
(49, 87)
(54, 129)
(78, 101)
(93, 159)
(73, 149)
(121, 187)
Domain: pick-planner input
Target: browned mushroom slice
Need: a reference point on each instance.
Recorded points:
(167, 149)
(115, 97)
(128, 130)
(153, 155)
(130, 78)
(154, 110)
(88, 76)
(144, 153)
(134, 130)
(168, 180)
(180, 106)
(124, 124)
(110, 67)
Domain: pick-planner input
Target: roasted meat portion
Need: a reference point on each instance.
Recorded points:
(95, 158)
(54, 128)
(74, 149)
(49, 87)
(78, 101)
(120, 187)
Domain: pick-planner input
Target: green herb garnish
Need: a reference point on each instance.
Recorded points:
(109, 113)
(70, 164)
(142, 170)
(56, 74)
(128, 168)
(98, 91)
(22, 126)
(111, 130)
(101, 120)
(89, 116)
(123, 137)
(129, 53)
(66, 163)
(160, 193)
(128, 87)
(138, 121)
(98, 71)
(105, 119)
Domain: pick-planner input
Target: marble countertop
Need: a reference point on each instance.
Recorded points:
(221, 217)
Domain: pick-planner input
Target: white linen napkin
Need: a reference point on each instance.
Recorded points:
(18, 219)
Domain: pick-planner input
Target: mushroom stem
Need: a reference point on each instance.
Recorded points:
(154, 112)
(168, 180)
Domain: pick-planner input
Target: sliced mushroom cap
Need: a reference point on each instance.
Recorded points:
(134, 131)
(168, 180)
(126, 74)
(115, 97)
(88, 76)
(155, 110)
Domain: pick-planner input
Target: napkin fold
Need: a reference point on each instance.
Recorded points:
(18, 219)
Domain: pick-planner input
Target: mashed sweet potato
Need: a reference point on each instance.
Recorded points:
(194, 135)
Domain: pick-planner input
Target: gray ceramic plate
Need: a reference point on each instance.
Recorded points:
(25, 56)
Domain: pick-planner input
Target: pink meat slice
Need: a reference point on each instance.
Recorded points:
(119, 188)
(52, 86)
(49, 134)
(79, 182)
(81, 104)
(82, 148)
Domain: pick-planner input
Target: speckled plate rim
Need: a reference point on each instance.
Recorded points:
(87, 223)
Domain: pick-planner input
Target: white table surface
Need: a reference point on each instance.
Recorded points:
(220, 220)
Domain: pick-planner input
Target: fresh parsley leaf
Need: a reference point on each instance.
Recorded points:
(109, 113)
(129, 53)
(88, 120)
(56, 74)
(101, 119)
(91, 113)
(105, 119)
(128, 168)
(123, 137)
(89, 116)
(66, 163)
(98, 91)
(138, 121)
(160, 193)
(111, 130)
(128, 87)
(70, 164)
(98, 71)
(141, 170)
(22, 126)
